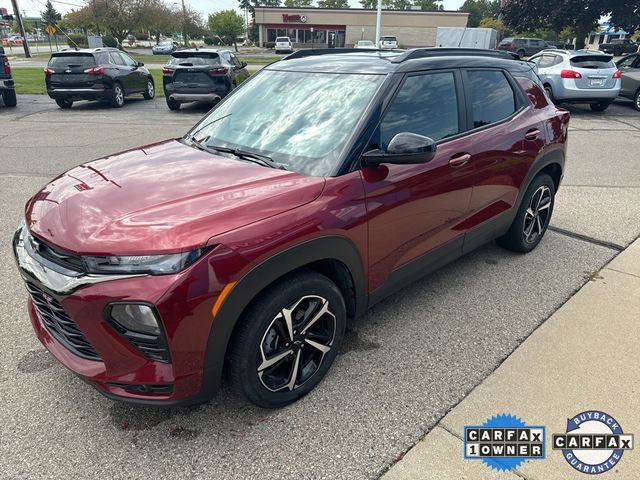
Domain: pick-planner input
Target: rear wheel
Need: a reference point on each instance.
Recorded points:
(150, 91)
(117, 96)
(64, 104)
(600, 106)
(172, 104)
(636, 100)
(287, 340)
(9, 98)
(549, 92)
(533, 217)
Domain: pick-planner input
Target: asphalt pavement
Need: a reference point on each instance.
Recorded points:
(407, 363)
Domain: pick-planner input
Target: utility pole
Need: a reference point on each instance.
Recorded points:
(184, 24)
(25, 43)
(378, 21)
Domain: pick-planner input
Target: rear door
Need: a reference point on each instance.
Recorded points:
(596, 71)
(69, 70)
(122, 72)
(630, 68)
(138, 75)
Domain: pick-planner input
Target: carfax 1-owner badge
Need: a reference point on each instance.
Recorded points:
(593, 443)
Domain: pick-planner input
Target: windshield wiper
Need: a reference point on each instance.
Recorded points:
(250, 156)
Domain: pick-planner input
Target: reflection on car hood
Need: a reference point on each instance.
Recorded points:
(161, 198)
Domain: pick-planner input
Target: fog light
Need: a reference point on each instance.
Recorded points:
(136, 317)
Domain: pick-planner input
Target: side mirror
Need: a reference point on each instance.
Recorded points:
(243, 64)
(1, 50)
(404, 149)
(140, 64)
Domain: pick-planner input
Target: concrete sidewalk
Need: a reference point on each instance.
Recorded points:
(584, 357)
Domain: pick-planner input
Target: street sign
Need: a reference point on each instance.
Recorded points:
(50, 29)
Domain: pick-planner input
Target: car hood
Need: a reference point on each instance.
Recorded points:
(162, 198)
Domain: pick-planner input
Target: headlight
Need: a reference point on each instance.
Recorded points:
(150, 264)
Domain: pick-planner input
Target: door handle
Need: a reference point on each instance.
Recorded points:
(532, 134)
(459, 159)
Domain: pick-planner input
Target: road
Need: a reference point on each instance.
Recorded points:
(403, 366)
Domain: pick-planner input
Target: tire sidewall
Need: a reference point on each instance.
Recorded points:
(256, 321)
(538, 181)
(147, 95)
(115, 96)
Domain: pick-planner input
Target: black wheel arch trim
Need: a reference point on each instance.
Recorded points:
(330, 247)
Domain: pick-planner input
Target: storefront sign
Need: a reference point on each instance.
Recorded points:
(286, 18)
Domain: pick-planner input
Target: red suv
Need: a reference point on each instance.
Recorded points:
(321, 185)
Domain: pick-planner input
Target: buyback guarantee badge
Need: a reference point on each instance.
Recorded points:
(593, 443)
(504, 442)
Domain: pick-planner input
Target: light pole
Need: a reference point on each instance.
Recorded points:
(362, 36)
(378, 19)
(311, 38)
(184, 24)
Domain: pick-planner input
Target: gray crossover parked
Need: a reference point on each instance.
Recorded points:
(630, 68)
(578, 76)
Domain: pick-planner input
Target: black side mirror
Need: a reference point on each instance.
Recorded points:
(140, 64)
(243, 64)
(404, 149)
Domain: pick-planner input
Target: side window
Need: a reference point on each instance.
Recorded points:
(116, 58)
(492, 98)
(627, 62)
(128, 61)
(547, 61)
(227, 56)
(234, 60)
(102, 59)
(426, 105)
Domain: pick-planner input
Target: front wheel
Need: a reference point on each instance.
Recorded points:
(533, 216)
(287, 340)
(117, 96)
(150, 91)
(9, 98)
(172, 104)
(636, 100)
(64, 104)
(600, 106)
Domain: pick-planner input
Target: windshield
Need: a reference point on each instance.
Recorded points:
(301, 120)
(73, 59)
(365, 43)
(282, 39)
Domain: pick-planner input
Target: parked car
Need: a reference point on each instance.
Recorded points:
(365, 44)
(288, 210)
(388, 42)
(201, 75)
(165, 47)
(524, 47)
(7, 86)
(283, 45)
(105, 74)
(630, 81)
(619, 46)
(578, 76)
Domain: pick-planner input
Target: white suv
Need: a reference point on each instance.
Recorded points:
(283, 44)
(388, 42)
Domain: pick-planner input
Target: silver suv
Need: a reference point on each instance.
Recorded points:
(578, 76)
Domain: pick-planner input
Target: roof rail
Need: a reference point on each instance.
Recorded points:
(447, 52)
(328, 51)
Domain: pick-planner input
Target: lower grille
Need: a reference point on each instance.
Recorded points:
(59, 324)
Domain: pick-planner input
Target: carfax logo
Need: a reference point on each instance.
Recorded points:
(593, 443)
(504, 442)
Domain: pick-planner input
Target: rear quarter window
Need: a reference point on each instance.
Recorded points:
(63, 61)
(593, 61)
(492, 98)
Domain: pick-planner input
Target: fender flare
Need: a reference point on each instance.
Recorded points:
(330, 247)
(554, 156)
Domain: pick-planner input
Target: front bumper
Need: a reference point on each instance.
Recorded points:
(183, 302)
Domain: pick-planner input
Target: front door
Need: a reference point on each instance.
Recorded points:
(415, 209)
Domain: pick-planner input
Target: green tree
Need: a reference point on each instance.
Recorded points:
(479, 9)
(298, 3)
(490, 22)
(226, 24)
(429, 5)
(159, 18)
(625, 14)
(333, 4)
(50, 16)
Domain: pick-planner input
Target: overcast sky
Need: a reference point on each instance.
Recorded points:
(34, 7)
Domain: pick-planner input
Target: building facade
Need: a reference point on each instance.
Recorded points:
(328, 27)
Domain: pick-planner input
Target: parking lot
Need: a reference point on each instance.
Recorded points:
(404, 365)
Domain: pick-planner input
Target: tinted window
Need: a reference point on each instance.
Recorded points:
(128, 60)
(593, 61)
(116, 58)
(234, 60)
(74, 59)
(626, 62)
(426, 105)
(102, 58)
(492, 98)
(546, 61)
(195, 59)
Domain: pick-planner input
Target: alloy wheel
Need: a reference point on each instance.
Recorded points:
(150, 89)
(295, 344)
(119, 95)
(537, 215)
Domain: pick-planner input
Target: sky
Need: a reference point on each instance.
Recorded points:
(34, 7)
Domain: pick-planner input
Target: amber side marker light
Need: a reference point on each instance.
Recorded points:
(223, 294)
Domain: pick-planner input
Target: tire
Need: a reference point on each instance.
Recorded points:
(549, 92)
(521, 53)
(9, 98)
(64, 104)
(172, 104)
(273, 363)
(150, 92)
(636, 100)
(599, 107)
(117, 96)
(532, 219)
